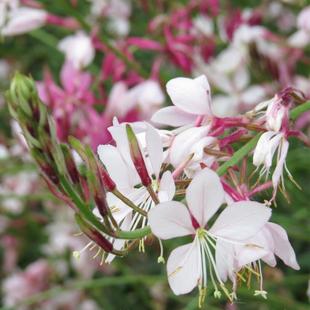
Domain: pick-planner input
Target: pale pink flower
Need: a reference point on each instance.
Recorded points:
(145, 97)
(22, 285)
(191, 99)
(270, 241)
(189, 264)
(78, 49)
(301, 38)
(22, 20)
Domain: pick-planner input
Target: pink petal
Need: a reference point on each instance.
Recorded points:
(173, 116)
(204, 195)
(169, 220)
(155, 149)
(183, 268)
(191, 96)
(283, 248)
(241, 220)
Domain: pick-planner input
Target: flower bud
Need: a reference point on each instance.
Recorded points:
(106, 180)
(137, 157)
(93, 234)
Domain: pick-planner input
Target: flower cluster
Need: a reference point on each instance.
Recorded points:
(144, 175)
(135, 170)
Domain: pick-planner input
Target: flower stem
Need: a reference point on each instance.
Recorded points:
(296, 112)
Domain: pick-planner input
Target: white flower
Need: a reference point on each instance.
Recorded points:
(146, 97)
(191, 99)
(188, 265)
(78, 49)
(22, 20)
(120, 167)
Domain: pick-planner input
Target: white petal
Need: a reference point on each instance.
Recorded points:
(173, 116)
(204, 195)
(166, 187)
(262, 148)
(224, 257)
(182, 144)
(155, 149)
(191, 96)
(183, 268)
(276, 176)
(241, 220)
(283, 248)
(169, 220)
(115, 165)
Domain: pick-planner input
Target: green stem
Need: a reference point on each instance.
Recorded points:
(237, 157)
(245, 150)
(296, 112)
(134, 234)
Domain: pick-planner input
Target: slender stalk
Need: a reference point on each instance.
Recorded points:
(296, 112)
(128, 202)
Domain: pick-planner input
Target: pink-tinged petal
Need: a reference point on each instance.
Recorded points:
(173, 116)
(169, 220)
(189, 95)
(241, 220)
(224, 257)
(166, 187)
(155, 149)
(181, 147)
(204, 195)
(116, 167)
(283, 248)
(68, 76)
(183, 268)
(276, 176)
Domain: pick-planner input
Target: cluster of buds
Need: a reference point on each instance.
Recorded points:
(135, 189)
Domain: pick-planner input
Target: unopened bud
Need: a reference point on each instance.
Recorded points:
(137, 157)
(106, 180)
(94, 234)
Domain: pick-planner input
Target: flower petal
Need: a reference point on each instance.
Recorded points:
(183, 268)
(204, 195)
(190, 95)
(155, 149)
(276, 176)
(224, 257)
(241, 220)
(173, 116)
(283, 248)
(166, 187)
(115, 165)
(169, 220)
(181, 147)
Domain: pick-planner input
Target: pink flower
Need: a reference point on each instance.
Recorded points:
(187, 265)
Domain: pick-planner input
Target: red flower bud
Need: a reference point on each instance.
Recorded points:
(137, 157)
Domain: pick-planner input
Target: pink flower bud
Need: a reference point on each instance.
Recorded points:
(93, 234)
(137, 157)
